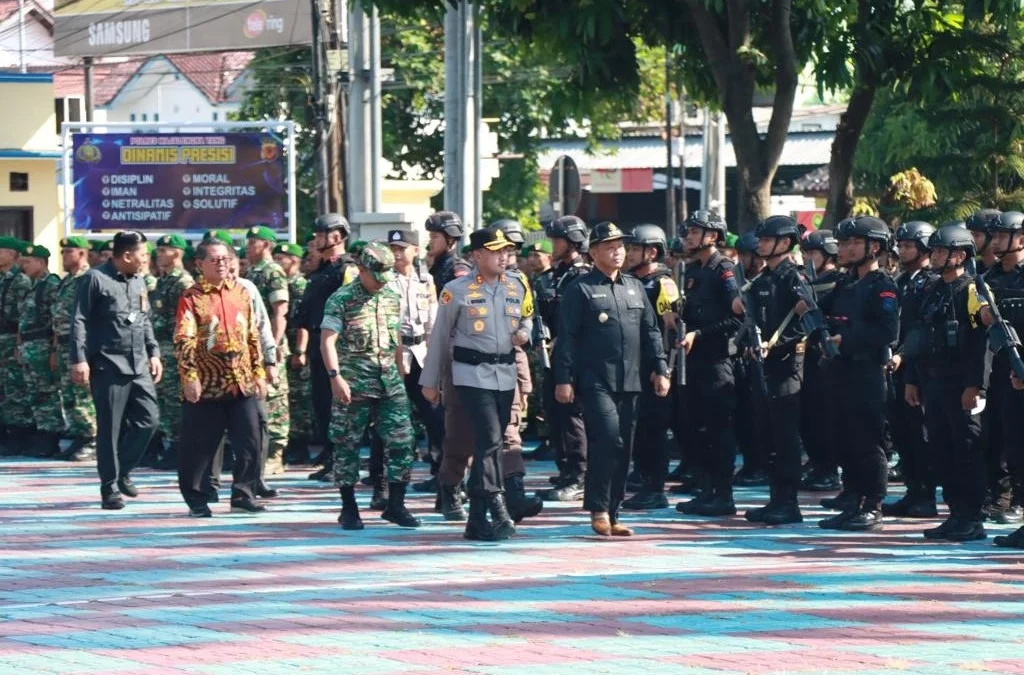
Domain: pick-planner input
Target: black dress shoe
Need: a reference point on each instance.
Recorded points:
(821, 482)
(1013, 540)
(844, 501)
(646, 500)
(520, 505)
(940, 531)
(834, 522)
(782, 513)
(965, 530)
(922, 507)
(898, 508)
(756, 515)
(264, 491)
(721, 505)
(112, 502)
(200, 511)
(127, 487)
(688, 506)
(864, 520)
(246, 505)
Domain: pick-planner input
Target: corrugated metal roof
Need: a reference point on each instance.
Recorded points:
(810, 148)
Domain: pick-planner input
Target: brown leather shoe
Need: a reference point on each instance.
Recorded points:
(619, 530)
(601, 524)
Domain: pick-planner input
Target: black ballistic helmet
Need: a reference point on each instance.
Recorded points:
(648, 235)
(778, 227)
(864, 227)
(820, 240)
(1009, 221)
(980, 221)
(570, 228)
(916, 231)
(445, 222)
(953, 237)
(707, 220)
(329, 222)
(747, 243)
(512, 228)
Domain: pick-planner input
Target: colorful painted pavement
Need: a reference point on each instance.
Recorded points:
(147, 590)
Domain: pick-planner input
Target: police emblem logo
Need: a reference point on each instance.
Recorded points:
(29, 250)
(396, 236)
(478, 326)
(254, 230)
(446, 297)
(602, 317)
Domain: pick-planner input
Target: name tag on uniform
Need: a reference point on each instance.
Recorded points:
(599, 295)
(132, 316)
(478, 301)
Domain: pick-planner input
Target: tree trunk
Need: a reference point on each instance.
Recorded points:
(844, 149)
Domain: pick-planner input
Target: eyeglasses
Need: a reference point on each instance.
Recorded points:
(223, 260)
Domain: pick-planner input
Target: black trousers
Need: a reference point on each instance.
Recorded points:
(997, 473)
(780, 431)
(953, 435)
(1011, 405)
(745, 414)
(127, 416)
(567, 434)
(432, 416)
(490, 412)
(320, 385)
(818, 423)
(711, 400)
(651, 442)
(611, 420)
(860, 393)
(911, 439)
(203, 426)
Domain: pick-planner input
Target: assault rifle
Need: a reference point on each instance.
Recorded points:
(1001, 334)
(681, 323)
(748, 339)
(541, 336)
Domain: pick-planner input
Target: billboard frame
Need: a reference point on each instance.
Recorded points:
(285, 128)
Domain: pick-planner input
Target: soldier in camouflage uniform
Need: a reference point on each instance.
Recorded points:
(35, 349)
(300, 393)
(173, 281)
(272, 283)
(366, 316)
(543, 287)
(76, 399)
(15, 408)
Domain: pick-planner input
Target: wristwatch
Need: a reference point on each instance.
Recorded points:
(332, 374)
(299, 353)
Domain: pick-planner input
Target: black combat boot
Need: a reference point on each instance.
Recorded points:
(846, 500)
(478, 528)
(451, 505)
(349, 517)
(379, 498)
(429, 485)
(756, 514)
(868, 518)
(395, 512)
(649, 498)
(783, 512)
(965, 529)
(704, 494)
(520, 505)
(1013, 540)
(501, 521)
(901, 507)
(720, 504)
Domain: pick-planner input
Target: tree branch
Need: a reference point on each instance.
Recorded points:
(714, 43)
(738, 20)
(785, 83)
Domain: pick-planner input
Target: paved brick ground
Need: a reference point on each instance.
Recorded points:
(147, 590)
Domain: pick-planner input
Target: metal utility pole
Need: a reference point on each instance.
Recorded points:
(364, 139)
(670, 190)
(461, 112)
(89, 102)
(713, 173)
(320, 111)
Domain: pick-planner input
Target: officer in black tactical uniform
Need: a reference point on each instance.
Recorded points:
(978, 225)
(864, 313)
(946, 346)
(820, 250)
(568, 436)
(774, 296)
(645, 255)
(336, 269)
(907, 423)
(751, 447)
(711, 288)
(1006, 280)
(445, 231)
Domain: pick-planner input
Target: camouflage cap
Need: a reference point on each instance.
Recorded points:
(261, 232)
(356, 247)
(75, 242)
(289, 249)
(378, 259)
(221, 236)
(173, 241)
(36, 251)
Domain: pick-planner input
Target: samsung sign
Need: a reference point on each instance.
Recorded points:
(115, 27)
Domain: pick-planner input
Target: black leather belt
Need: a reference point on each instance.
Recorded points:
(475, 358)
(413, 341)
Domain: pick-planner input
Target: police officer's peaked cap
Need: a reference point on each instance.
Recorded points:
(329, 222)
(980, 221)
(490, 238)
(1008, 221)
(778, 227)
(75, 242)
(402, 238)
(512, 228)
(173, 241)
(36, 251)
(953, 237)
(917, 231)
(820, 240)
(707, 220)
(864, 227)
(605, 231)
(220, 236)
(261, 232)
(446, 222)
(571, 228)
(747, 243)
(648, 235)
(289, 249)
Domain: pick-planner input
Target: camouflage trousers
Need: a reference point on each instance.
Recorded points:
(168, 391)
(79, 410)
(16, 401)
(300, 403)
(278, 421)
(391, 418)
(43, 386)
